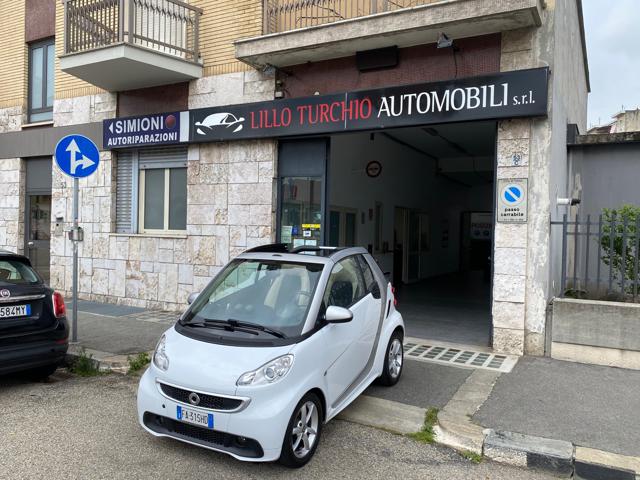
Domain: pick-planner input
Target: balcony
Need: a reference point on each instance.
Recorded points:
(299, 31)
(127, 44)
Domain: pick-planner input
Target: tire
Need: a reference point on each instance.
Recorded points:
(295, 451)
(393, 360)
(42, 373)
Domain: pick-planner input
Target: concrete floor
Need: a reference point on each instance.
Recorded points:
(454, 308)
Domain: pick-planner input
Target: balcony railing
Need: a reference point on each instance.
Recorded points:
(165, 26)
(284, 15)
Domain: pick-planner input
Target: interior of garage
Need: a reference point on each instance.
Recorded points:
(421, 201)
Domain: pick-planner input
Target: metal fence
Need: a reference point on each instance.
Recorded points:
(284, 15)
(167, 26)
(600, 257)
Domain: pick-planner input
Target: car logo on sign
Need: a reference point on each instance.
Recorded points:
(219, 120)
(194, 398)
(4, 293)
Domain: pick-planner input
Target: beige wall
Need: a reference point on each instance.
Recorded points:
(13, 54)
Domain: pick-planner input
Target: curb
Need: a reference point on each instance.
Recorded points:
(560, 458)
(104, 361)
(554, 456)
(455, 428)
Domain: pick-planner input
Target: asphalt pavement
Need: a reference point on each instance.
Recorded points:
(423, 384)
(589, 405)
(87, 428)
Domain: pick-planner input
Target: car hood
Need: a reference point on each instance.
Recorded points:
(211, 367)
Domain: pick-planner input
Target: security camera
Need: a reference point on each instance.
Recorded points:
(567, 201)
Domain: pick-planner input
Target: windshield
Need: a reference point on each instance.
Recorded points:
(15, 272)
(274, 295)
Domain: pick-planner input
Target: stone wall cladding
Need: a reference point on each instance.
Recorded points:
(11, 119)
(95, 209)
(229, 209)
(511, 240)
(12, 178)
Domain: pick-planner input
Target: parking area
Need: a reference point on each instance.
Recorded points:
(72, 427)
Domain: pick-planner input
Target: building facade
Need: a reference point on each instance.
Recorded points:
(320, 98)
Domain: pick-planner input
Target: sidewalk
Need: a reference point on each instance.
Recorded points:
(572, 419)
(112, 332)
(588, 405)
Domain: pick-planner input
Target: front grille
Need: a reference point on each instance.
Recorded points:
(202, 434)
(206, 401)
(242, 446)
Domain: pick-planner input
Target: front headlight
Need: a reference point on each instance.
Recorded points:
(270, 372)
(160, 358)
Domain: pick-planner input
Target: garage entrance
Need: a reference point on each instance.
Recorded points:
(421, 201)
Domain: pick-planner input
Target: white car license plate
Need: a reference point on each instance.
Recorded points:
(15, 311)
(194, 416)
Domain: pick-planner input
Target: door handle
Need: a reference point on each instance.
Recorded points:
(30, 244)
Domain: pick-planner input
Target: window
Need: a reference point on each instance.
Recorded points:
(16, 272)
(370, 281)
(41, 68)
(151, 190)
(345, 286)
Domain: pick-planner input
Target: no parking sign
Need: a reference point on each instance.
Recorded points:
(512, 200)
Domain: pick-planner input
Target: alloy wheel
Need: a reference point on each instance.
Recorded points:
(395, 358)
(305, 429)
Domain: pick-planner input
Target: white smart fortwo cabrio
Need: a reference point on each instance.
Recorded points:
(276, 345)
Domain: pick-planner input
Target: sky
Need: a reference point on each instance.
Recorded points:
(613, 47)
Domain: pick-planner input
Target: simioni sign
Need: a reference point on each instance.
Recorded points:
(158, 129)
(521, 93)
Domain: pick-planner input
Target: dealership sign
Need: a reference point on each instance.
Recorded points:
(520, 93)
(158, 129)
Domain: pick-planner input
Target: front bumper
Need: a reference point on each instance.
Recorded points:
(254, 433)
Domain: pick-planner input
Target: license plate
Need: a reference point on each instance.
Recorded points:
(15, 311)
(194, 416)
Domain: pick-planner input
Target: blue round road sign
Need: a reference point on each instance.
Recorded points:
(512, 194)
(77, 156)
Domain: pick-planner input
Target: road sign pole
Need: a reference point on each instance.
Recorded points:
(76, 194)
(77, 156)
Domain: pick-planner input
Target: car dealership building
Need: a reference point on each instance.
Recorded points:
(433, 133)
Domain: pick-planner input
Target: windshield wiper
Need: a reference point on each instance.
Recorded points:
(232, 325)
(220, 324)
(255, 326)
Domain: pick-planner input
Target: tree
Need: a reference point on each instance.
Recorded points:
(620, 230)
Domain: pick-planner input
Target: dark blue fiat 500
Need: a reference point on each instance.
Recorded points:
(34, 334)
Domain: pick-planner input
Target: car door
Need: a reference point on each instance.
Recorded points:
(367, 335)
(346, 358)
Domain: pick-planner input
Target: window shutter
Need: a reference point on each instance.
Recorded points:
(172, 157)
(124, 192)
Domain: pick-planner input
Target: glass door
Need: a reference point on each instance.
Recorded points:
(301, 192)
(39, 233)
(301, 211)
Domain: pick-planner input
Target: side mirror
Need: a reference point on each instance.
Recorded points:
(338, 315)
(191, 298)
